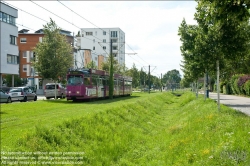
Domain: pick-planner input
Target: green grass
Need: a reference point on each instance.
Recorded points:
(144, 129)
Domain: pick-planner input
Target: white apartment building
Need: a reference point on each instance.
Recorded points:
(8, 43)
(98, 41)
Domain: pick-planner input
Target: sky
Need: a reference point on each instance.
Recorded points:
(151, 27)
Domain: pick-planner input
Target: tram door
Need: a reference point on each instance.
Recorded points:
(100, 87)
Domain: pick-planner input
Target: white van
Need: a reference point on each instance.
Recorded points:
(49, 91)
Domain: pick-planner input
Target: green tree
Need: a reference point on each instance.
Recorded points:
(224, 26)
(53, 55)
(119, 69)
(17, 80)
(172, 76)
(92, 65)
(134, 73)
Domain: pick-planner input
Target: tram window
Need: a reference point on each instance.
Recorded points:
(86, 81)
(115, 82)
(74, 80)
(94, 80)
(104, 81)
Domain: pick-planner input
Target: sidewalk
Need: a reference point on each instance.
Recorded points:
(241, 104)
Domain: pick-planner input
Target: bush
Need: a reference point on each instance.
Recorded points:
(222, 84)
(224, 89)
(247, 87)
(228, 88)
(241, 82)
(234, 83)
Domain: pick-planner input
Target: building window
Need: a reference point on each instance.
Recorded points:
(4, 17)
(96, 33)
(113, 33)
(31, 55)
(89, 33)
(24, 68)
(12, 59)
(93, 40)
(40, 39)
(93, 48)
(25, 54)
(40, 83)
(7, 18)
(114, 47)
(114, 40)
(104, 47)
(104, 40)
(13, 40)
(104, 32)
(23, 40)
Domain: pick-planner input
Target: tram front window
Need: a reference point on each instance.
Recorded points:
(75, 80)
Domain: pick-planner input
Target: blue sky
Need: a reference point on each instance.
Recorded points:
(151, 27)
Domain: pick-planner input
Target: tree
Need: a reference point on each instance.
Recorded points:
(54, 55)
(119, 69)
(17, 80)
(224, 24)
(172, 76)
(91, 65)
(134, 73)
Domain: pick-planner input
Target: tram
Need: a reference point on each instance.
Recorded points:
(91, 83)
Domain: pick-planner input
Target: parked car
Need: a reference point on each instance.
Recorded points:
(6, 89)
(4, 97)
(49, 91)
(22, 94)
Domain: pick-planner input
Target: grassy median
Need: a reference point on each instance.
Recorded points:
(144, 129)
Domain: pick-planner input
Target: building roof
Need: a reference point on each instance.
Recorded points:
(23, 31)
(8, 5)
(62, 32)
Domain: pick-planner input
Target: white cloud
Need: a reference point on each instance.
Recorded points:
(151, 27)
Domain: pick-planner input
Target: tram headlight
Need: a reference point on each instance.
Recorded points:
(69, 92)
(77, 92)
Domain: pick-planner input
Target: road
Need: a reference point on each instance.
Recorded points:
(241, 104)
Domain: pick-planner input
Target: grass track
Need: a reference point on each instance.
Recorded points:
(155, 129)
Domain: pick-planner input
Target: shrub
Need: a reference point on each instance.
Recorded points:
(234, 83)
(247, 87)
(241, 82)
(224, 89)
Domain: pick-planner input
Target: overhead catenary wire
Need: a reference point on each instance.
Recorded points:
(39, 17)
(66, 21)
(25, 26)
(96, 26)
(63, 19)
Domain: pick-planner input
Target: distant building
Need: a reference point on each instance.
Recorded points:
(27, 42)
(8, 45)
(98, 41)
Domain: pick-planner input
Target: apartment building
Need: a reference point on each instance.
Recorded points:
(26, 43)
(98, 41)
(82, 57)
(8, 45)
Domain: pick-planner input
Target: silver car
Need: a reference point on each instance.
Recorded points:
(4, 97)
(49, 91)
(22, 94)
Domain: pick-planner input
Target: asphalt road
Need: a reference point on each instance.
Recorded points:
(241, 104)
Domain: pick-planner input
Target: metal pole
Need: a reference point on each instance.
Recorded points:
(218, 84)
(149, 79)
(204, 86)
(207, 85)
(161, 82)
(111, 74)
